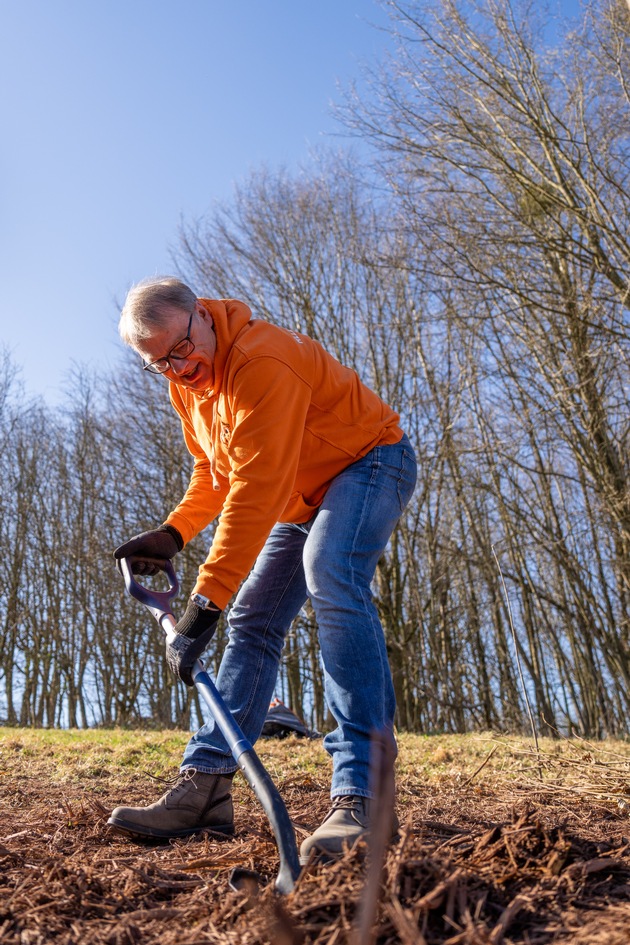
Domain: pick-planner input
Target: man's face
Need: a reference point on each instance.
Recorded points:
(196, 370)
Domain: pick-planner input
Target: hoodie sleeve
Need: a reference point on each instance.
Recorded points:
(269, 404)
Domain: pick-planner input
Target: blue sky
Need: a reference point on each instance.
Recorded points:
(120, 118)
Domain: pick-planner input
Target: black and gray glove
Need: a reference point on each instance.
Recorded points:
(149, 551)
(193, 634)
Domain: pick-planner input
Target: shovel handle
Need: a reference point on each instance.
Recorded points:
(158, 602)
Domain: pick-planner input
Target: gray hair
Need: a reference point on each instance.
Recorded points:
(149, 306)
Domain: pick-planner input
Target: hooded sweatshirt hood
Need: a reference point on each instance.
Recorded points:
(229, 317)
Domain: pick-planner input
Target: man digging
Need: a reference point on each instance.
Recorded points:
(309, 471)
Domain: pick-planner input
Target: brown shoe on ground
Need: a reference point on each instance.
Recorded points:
(197, 802)
(347, 822)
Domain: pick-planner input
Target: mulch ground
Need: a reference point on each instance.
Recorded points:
(482, 862)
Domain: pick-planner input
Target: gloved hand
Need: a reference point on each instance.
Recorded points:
(151, 550)
(193, 633)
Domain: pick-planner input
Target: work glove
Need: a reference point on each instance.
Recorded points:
(149, 551)
(193, 633)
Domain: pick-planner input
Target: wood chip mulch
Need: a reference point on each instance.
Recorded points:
(476, 864)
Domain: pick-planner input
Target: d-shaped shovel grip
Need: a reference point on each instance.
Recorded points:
(158, 602)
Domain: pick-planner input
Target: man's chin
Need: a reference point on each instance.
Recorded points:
(197, 381)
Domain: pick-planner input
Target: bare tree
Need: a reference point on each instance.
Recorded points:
(509, 160)
(476, 275)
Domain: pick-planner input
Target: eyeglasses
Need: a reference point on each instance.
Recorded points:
(178, 352)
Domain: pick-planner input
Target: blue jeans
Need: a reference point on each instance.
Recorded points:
(331, 560)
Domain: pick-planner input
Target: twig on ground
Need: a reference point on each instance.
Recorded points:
(481, 766)
(383, 791)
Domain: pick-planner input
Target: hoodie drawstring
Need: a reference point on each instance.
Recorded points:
(213, 455)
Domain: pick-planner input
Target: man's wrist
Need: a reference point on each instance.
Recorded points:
(203, 602)
(175, 535)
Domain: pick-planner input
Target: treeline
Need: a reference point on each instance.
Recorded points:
(476, 272)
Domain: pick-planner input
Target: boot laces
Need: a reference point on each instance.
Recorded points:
(349, 802)
(184, 778)
(178, 781)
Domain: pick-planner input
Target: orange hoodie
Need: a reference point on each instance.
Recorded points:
(281, 421)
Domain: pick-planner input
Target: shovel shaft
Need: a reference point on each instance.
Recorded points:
(242, 750)
(258, 779)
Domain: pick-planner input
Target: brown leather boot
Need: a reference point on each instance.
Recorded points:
(346, 822)
(197, 802)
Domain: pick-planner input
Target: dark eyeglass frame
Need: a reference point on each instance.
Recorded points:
(186, 347)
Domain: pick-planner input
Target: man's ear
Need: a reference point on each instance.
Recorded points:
(205, 314)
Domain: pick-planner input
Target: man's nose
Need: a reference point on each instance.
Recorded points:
(179, 365)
